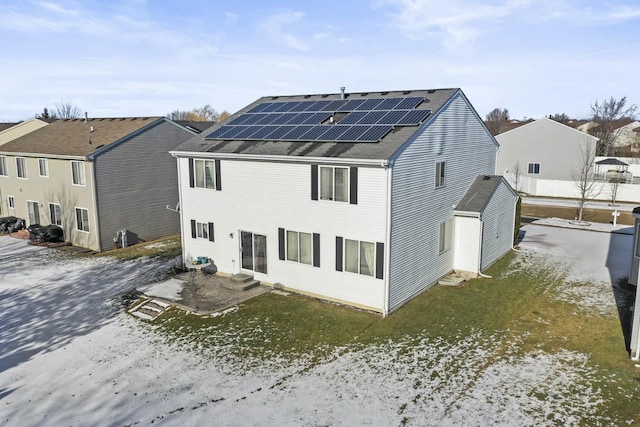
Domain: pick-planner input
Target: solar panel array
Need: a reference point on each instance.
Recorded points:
(361, 120)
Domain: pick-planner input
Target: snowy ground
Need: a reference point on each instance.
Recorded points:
(70, 356)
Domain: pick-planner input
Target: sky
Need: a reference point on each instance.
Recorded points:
(148, 58)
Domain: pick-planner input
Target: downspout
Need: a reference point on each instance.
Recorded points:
(182, 239)
(480, 249)
(387, 247)
(96, 215)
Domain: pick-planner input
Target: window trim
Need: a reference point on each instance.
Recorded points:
(46, 166)
(359, 262)
(84, 175)
(88, 230)
(441, 174)
(347, 183)
(298, 257)
(4, 166)
(11, 202)
(445, 237)
(529, 164)
(51, 217)
(202, 230)
(204, 174)
(26, 175)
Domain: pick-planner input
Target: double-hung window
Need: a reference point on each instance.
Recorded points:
(4, 171)
(534, 168)
(334, 183)
(202, 230)
(360, 257)
(43, 167)
(55, 213)
(205, 173)
(300, 247)
(446, 235)
(12, 202)
(82, 219)
(77, 173)
(440, 174)
(21, 167)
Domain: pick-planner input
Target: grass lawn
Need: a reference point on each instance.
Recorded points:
(517, 305)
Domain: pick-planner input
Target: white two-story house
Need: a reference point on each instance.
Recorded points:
(351, 197)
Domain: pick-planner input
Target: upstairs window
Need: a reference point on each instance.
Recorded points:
(534, 168)
(440, 174)
(4, 171)
(204, 174)
(43, 167)
(77, 173)
(12, 202)
(21, 167)
(334, 183)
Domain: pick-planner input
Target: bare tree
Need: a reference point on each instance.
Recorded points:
(203, 114)
(605, 115)
(517, 176)
(583, 177)
(46, 114)
(67, 110)
(560, 118)
(496, 119)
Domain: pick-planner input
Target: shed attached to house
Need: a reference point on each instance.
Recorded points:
(483, 224)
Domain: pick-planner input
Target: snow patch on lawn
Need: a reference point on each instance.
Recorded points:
(169, 289)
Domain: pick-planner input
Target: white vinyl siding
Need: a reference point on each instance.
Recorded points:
(82, 219)
(334, 183)
(204, 173)
(77, 173)
(418, 207)
(4, 170)
(43, 167)
(21, 167)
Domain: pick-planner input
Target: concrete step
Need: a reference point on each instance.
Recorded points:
(240, 278)
(450, 281)
(242, 286)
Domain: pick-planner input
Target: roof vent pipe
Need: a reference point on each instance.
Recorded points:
(86, 117)
(342, 88)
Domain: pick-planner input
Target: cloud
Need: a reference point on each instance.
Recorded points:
(275, 25)
(452, 21)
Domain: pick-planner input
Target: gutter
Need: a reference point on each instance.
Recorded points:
(281, 158)
(43, 155)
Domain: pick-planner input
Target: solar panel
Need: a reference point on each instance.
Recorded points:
(320, 105)
(264, 132)
(351, 105)
(240, 119)
(334, 105)
(273, 106)
(371, 118)
(218, 132)
(233, 131)
(278, 132)
(408, 103)
(309, 106)
(317, 118)
(282, 118)
(253, 118)
(314, 133)
(353, 118)
(292, 107)
(258, 108)
(299, 118)
(333, 133)
(414, 117)
(369, 104)
(250, 130)
(388, 104)
(283, 106)
(392, 117)
(375, 133)
(353, 133)
(267, 119)
(295, 132)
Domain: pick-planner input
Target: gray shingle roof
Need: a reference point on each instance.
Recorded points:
(479, 194)
(435, 99)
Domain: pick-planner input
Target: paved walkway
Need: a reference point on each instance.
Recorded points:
(590, 226)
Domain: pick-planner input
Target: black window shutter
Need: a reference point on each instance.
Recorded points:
(316, 250)
(353, 185)
(281, 254)
(193, 229)
(211, 238)
(192, 178)
(379, 260)
(218, 181)
(314, 182)
(338, 253)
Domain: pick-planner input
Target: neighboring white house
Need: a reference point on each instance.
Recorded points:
(346, 197)
(633, 279)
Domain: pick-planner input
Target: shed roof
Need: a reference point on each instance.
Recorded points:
(77, 137)
(479, 193)
(434, 100)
